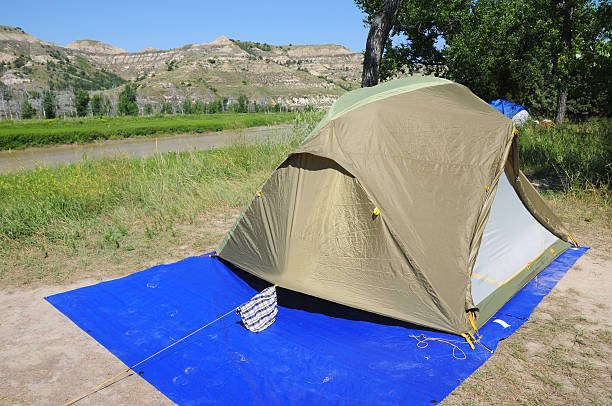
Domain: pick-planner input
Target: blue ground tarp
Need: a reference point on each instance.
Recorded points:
(316, 352)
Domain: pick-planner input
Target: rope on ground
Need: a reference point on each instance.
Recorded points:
(423, 342)
(112, 379)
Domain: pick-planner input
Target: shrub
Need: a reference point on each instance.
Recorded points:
(49, 104)
(576, 154)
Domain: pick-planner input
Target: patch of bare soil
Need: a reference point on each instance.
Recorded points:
(47, 360)
(561, 355)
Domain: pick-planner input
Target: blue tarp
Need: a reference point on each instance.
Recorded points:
(316, 352)
(507, 108)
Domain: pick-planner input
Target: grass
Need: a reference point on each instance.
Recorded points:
(30, 133)
(577, 156)
(59, 222)
(101, 210)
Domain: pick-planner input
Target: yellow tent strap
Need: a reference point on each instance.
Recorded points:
(472, 320)
(468, 339)
(571, 238)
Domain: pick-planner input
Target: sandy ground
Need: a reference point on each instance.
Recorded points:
(46, 359)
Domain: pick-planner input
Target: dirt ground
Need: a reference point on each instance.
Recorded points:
(560, 356)
(47, 360)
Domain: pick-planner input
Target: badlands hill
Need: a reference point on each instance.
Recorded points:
(291, 74)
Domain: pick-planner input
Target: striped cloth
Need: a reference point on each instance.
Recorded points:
(260, 312)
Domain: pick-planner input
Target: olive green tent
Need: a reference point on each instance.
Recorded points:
(405, 201)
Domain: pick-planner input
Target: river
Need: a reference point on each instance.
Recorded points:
(16, 160)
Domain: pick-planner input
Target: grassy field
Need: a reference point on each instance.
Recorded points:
(29, 133)
(58, 223)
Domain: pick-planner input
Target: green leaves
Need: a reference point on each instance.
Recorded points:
(515, 49)
(127, 101)
(81, 102)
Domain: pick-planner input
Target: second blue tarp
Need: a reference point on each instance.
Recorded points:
(316, 352)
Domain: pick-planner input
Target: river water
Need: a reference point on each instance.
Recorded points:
(16, 160)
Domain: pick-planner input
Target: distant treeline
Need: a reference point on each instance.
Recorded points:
(49, 104)
(35, 133)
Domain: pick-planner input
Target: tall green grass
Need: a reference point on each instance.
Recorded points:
(578, 155)
(54, 220)
(28, 133)
(173, 185)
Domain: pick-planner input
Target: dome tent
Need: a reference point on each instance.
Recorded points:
(406, 201)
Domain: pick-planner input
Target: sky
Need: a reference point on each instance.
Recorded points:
(133, 25)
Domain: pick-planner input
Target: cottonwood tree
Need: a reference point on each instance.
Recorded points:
(381, 23)
(127, 101)
(81, 102)
(551, 56)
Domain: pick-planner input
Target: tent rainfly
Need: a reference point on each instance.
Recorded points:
(406, 201)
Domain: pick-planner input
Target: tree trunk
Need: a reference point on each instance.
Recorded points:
(377, 37)
(561, 105)
(566, 39)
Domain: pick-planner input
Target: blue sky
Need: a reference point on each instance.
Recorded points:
(134, 25)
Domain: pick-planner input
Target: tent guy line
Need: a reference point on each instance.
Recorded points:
(115, 377)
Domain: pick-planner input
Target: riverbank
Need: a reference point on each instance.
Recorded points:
(31, 133)
(137, 147)
(92, 218)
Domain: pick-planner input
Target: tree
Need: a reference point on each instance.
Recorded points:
(214, 106)
(243, 104)
(187, 106)
(540, 53)
(148, 109)
(127, 101)
(380, 27)
(27, 110)
(49, 104)
(199, 107)
(100, 105)
(81, 102)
